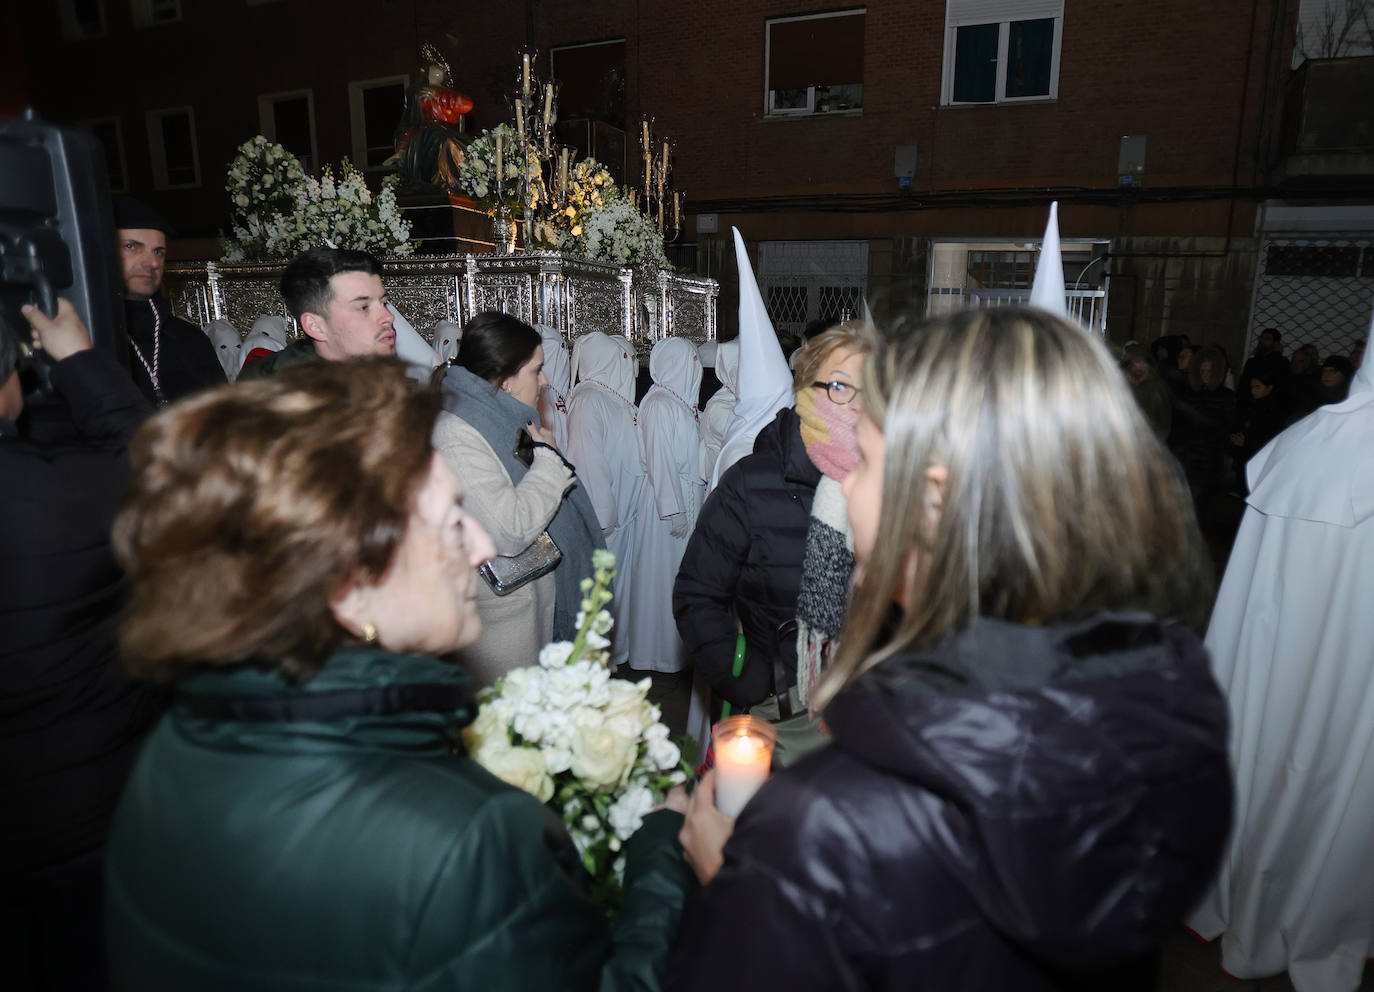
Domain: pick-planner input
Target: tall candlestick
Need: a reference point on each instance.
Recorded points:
(520, 120)
(525, 77)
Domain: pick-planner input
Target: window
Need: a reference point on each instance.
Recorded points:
(289, 120)
(82, 19)
(814, 64)
(376, 107)
(172, 146)
(999, 51)
(111, 137)
(591, 81)
(150, 13)
(1341, 261)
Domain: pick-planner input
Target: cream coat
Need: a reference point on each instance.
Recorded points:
(515, 626)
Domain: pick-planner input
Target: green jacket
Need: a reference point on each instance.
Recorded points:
(334, 836)
(297, 352)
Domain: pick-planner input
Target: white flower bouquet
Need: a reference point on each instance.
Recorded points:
(477, 172)
(588, 745)
(614, 230)
(278, 211)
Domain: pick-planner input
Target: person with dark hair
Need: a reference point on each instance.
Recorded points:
(1149, 389)
(168, 357)
(518, 487)
(71, 720)
(305, 815)
(1304, 382)
(1336, 374)
(338, 299)
(1200, 437)
(1269, 357)
(1027, 784)
(1267, 415)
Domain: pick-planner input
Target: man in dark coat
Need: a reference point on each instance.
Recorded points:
(1268, 358)
(70, 720)
(745, 559)
(168, 357)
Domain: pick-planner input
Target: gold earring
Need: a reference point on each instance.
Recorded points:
(369, 633)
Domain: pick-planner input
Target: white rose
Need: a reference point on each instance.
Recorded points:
(663, 754)
(601, 757)
(487, 731)
(557, 759)
(522, 767)
(627, 812)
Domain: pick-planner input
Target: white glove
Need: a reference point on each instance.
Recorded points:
(677, 525)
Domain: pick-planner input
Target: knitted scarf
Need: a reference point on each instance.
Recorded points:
(828, 432)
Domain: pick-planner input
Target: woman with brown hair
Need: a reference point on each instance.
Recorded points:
(1027, 784)
(302, 565)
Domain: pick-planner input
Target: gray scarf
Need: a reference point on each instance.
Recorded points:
(500, 418)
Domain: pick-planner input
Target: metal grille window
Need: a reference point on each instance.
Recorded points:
(1315, 291)
(802, 281)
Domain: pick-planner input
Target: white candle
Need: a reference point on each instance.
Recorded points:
(563, 171)
(677, 209)
(525, 77)
(548, 104)
(743, 757)
(500, 171)
(520, 120)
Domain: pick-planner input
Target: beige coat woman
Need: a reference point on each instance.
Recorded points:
(517, 625)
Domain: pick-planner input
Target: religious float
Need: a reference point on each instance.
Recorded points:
(528, 230)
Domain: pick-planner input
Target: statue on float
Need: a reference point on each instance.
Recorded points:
(430, 139)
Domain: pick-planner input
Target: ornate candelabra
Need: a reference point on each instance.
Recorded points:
(659, 201)
(542, 192)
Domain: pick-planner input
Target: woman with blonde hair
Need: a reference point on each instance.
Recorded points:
(1027, 785)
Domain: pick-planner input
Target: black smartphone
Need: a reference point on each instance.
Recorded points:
(524, 448)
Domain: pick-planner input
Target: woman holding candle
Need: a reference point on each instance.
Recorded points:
(1027, 785)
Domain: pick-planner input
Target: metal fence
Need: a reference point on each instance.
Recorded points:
(1316, 290)
(1087, 306)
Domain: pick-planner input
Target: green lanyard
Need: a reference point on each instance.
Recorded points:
(738, 666)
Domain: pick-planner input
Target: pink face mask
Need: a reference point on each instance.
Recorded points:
(829, 432)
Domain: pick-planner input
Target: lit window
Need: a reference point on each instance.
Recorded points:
(289, 120)
(991, 57)
(376, 107)
(815, 64)
(172, 147)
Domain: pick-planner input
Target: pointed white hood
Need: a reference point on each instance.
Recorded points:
(765, 383)
(411, 348)
(1047, 291)
(228, 346)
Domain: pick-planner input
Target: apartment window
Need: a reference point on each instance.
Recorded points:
(289, 120)
(999, 51)
(82, 19)
(375, 107)
(814, 64)
(172, 146)
(150, 13)
(111, 137)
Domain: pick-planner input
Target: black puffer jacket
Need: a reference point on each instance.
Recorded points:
(1018, 808)
(745, 559)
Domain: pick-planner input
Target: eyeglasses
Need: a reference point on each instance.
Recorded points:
(840, 393)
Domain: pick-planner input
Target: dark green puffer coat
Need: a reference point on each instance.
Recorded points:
(333, 836)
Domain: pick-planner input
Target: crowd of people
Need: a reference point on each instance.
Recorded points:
(955, 567)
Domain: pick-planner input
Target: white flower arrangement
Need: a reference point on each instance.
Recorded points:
(477, 172)
(588, 745)
(278, 211)
(612, 229)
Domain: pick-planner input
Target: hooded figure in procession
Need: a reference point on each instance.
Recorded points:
(553, 398)
(673, 492)
(604, 445)
(1290, 639)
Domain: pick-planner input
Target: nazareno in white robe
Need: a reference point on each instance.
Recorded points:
(553, 398)
(673, 485)
(604, 446)
(715, 418)
(1292, 642)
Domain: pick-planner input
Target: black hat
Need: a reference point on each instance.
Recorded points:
(131, 214)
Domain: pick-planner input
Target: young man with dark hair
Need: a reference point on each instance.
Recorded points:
(168, 357)
(339, 301)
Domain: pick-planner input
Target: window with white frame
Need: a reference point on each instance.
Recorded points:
(289, 120)
(375, 108)
(110, 134)
(814, 64)
(150, 13)
(172, 147)
(81, 19)
(1002, 51)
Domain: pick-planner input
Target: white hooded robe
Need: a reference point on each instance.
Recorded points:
(1292, 643)
(673, 485)
(715, 419)
(553, 398)
(604, 446)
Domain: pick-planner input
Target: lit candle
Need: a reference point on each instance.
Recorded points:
(525, 77)
(744, 753)
(520, 120)
(500, 170)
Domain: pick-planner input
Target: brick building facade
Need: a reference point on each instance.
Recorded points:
(1198, 88)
